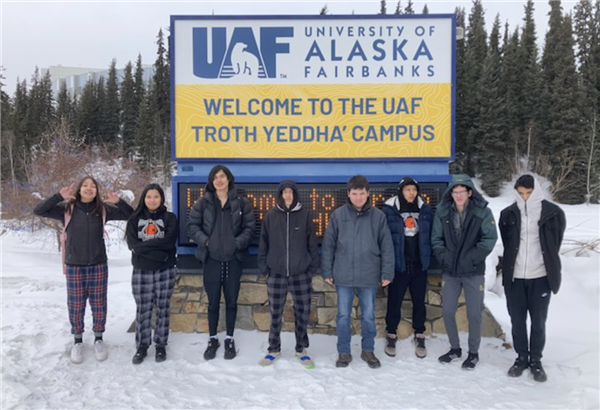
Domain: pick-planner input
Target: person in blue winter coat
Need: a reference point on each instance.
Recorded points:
(221, 223)
(357, 257)
(532, 231)
(410, 220)
(288, 254)
(84, 212)
(151, 235)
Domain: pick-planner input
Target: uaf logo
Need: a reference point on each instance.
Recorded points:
(242, 56)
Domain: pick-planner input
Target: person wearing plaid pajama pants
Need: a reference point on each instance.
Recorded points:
(83, 213)
(289, 256)
(151, 235)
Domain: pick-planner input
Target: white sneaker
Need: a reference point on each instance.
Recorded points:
(77, 353)
(100, 350)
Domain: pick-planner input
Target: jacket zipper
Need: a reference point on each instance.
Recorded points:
(287, 244)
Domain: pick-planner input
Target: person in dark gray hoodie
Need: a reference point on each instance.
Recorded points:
(464, 234)
(288, 255)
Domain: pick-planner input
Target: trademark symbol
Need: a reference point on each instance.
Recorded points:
(282, 75)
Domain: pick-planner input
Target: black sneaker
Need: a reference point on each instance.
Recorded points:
(343, 360)
(390, 346)
(138, 357)
(161, 354)
(471, 361)
(371, 359)
(451, 355)
(539, 375)
(229, 349)
(517, 369)
(211, 350)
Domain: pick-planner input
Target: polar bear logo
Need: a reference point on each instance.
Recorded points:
(244, 62)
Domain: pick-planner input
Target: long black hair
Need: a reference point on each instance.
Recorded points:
(97, 200)
(142, 202)
(211, 177)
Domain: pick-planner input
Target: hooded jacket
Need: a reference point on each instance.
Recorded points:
(463, 254)
(85, 233)
(288, 245)
(391, 209)
(201, 224)
(151, 236)
(532, 232)
(357, 249)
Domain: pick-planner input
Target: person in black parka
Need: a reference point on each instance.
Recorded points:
(221, 223)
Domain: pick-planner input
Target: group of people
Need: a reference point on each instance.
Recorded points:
(364, 248)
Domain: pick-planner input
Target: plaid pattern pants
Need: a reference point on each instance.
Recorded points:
(300, 286)
(83, 283)
(152, 288)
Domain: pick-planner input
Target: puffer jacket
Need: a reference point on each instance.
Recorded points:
(464, 255)
(550, 227)
(288, 244)
(357, 249)
(391, 209)
(85, 233)
(151, 236)
(201, 222)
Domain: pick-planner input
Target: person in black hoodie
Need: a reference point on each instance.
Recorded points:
(151, 235)
(288, 255)
(83, 212)
(221, 223)
(410, 220)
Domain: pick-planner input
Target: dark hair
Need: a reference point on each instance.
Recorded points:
(142, 202)
(358, 182)
(525, 181)
(97, 200)
(465, 186)
(211, 176)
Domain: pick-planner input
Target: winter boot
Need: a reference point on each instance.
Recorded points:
(450, 356)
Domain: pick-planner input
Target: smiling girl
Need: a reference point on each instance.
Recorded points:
(151, 235)
(85, 212)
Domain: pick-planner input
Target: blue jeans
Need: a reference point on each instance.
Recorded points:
(366, 301)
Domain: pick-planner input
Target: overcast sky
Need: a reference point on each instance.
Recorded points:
(92, 33)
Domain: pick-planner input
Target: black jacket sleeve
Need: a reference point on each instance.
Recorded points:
(50, 208)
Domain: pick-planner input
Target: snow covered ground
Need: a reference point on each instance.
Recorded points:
(37, 373)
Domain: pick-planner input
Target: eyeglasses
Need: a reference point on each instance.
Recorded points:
(459, 193)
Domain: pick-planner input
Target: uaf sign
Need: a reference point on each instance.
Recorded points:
(326, 87)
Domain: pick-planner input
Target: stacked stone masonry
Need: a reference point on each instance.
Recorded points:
(189, 309)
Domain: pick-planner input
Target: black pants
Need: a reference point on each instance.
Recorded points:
(222, 275)
(414, 279)
(533, 296)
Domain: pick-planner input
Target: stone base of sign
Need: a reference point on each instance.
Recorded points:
(189, 309)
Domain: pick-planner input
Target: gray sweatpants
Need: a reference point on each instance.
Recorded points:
(473, 287)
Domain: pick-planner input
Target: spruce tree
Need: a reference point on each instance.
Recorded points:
(101, 135)
(398, 8)
(563, 146)
(425, 9)
(492, 131)
(40, 110)
(383, 7)
(475, 54)
(65, 106)
(588, 44)
(87, 112)
(409, 8)
(460, 109)
(112, 114)
(130, 109)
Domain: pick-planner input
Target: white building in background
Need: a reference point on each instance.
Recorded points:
(77, 77)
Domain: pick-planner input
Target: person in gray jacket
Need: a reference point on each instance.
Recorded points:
(358, 257)
(464, 234)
